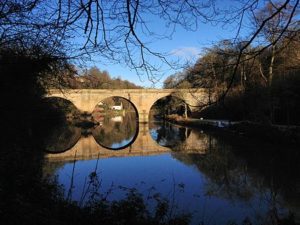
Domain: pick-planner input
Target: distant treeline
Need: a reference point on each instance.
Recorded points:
(96, 79)
(263, 87)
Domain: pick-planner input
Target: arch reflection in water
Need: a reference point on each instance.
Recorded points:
(62, 138)
(118, 123)
(168, 135)
(64, 135)
(87, 148)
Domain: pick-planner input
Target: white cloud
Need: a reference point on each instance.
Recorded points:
(186, 53)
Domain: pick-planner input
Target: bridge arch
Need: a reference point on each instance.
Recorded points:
(117, 129)
(169, 104)
(59, 101)
(120, 97)
(61, 106)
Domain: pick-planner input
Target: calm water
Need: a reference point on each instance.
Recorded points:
(214, 177)
(116, 132)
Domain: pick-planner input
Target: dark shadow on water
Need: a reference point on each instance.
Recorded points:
(62, 138)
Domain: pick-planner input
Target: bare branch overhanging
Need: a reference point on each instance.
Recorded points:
(108, 27)
(285, 28)
(120, 30)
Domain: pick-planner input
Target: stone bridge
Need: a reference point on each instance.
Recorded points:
(142, 99)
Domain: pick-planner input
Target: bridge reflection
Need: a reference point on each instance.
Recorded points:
(144, 144)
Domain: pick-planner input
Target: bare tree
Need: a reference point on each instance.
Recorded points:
(274, 23)
(123, 30)
(272, 31)
(118, 30)
(290, 25)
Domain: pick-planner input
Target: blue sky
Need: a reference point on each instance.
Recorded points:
(184, 46)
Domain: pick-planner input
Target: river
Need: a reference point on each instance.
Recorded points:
(216, 177)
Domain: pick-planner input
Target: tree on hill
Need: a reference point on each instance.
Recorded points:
(94, 78)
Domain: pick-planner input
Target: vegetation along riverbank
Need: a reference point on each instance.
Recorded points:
(275, 134)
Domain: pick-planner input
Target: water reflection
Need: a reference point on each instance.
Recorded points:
(87, 148)
(118, 123)
(202, 173)
(62, 138)
(168, 135)
(116, 132)
(112, 133)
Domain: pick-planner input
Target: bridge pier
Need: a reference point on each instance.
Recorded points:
(143, 116)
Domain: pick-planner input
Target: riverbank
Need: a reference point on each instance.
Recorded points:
(275, 134)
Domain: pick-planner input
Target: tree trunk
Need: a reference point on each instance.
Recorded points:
(271, 65)
(185, 111)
